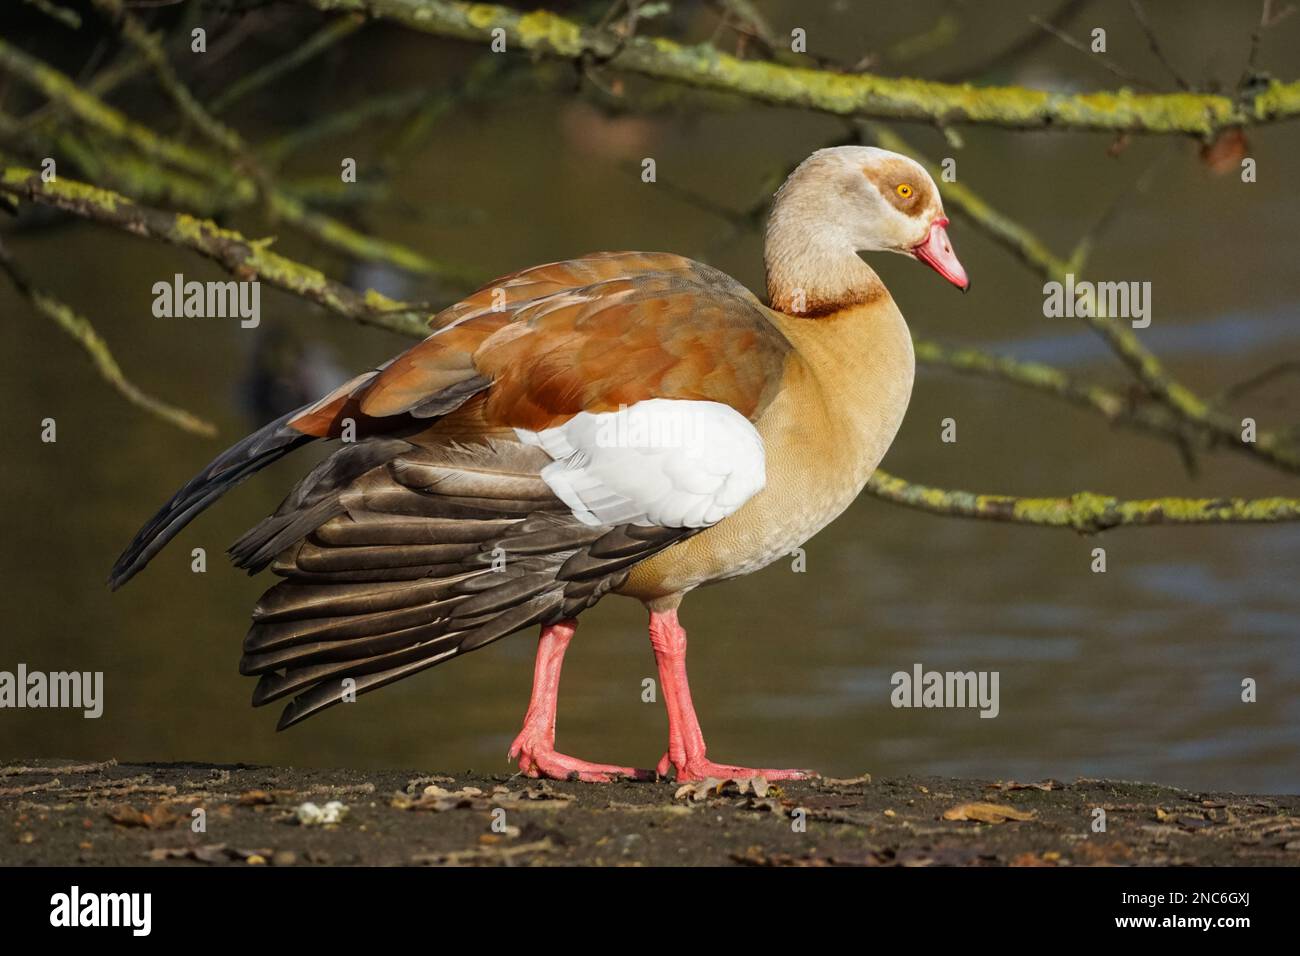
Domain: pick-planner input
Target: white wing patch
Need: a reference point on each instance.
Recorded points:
(677, 464)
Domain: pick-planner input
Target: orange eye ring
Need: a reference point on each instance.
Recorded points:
(905, 190)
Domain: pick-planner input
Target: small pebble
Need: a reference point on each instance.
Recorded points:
(310, 815)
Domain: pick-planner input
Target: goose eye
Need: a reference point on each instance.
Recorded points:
(905, 190)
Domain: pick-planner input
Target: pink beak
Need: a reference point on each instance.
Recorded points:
(936, 252)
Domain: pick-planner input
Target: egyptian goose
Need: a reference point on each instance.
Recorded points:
(626, 422)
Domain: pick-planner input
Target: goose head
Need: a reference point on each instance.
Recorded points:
(847, 200)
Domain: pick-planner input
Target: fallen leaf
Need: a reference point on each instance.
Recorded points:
(210, 853)
(698, 790)
(539, 792)
(987, 813)
(160, 817)
(845, 781)
(713, 786)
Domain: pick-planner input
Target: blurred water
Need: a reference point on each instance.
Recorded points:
(1134, 673)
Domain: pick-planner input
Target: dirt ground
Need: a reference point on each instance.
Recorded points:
(60, 813)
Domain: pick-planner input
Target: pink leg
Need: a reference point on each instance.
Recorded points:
(685, 739)
(535, 745)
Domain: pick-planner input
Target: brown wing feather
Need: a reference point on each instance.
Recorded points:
(429, 554)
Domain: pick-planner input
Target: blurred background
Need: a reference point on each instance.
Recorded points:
(1135, 673)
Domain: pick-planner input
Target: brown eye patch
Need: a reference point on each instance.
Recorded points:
(899, 183)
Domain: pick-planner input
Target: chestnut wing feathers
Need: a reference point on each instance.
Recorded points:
(594, 335)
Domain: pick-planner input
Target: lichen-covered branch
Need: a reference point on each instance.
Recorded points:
(856, 95)
(245, 258)
(1084, 511)
(84, 334)
(1047, 379)
(224, 181)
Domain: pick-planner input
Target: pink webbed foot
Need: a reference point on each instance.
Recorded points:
(534, 748)
(685, 739)
(537, 758)
(700, 769)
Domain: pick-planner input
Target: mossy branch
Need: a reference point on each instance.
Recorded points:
(234, 188)
(543, 33)
(1047, 379)
(244, 258)
(83, 333)
(1084, 511)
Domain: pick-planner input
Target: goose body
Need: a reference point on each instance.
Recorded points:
(629, 423)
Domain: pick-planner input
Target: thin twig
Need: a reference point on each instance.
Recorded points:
(1268, 19)
(84, 334)
(332, 33)
(1082, 250)
(1153, 42)
(1022, 46)
(69, 18)
(1247, 385)
(1104, 62)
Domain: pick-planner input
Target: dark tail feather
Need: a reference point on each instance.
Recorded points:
(264, 446)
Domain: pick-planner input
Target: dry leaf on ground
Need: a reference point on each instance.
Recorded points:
(987, 813)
